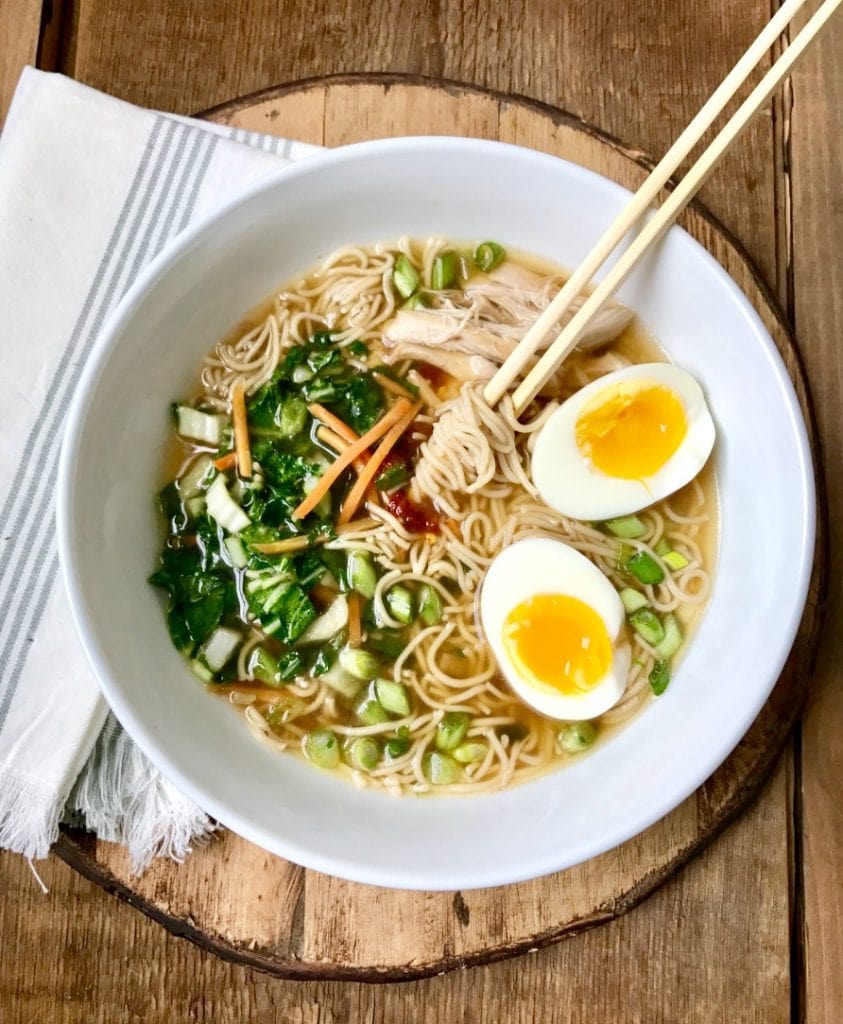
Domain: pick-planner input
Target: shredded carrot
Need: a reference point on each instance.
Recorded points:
(392, 386)
(280, 547)
(333, 422)
(355, 635)
(339, 444)
(228, 461)
(346, 458)
(364, 481)
(241, 431)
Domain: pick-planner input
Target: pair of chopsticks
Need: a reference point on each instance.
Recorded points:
(666, 214)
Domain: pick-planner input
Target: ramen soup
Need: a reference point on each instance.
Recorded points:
(405, 583)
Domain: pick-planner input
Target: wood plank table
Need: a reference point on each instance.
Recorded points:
(752, 930)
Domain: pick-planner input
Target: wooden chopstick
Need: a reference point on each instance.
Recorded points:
(678, 199)
(640, 202)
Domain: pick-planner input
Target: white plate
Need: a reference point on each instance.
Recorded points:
(200, 287)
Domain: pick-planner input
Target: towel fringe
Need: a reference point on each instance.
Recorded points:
(29, 814)
(123, 798)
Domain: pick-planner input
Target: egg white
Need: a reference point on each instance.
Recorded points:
(538, 565)
(568, 481)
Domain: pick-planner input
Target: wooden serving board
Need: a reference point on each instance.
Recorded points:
(249, 906)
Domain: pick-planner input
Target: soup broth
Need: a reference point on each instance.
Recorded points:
(348, 633)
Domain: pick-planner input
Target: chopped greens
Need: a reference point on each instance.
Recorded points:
(268, 593)
(645, 568)
(488, 255)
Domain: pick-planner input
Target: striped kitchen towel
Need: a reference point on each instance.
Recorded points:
(91, 188)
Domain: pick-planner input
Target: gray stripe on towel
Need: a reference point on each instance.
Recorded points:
(170, 203)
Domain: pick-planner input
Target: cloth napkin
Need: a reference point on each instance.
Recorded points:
(91, 188)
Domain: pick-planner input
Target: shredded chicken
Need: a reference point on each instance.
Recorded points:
(462, 366)
(470, 336)
(446, 329)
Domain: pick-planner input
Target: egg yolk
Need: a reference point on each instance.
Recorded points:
(631, 429)
(559, 641)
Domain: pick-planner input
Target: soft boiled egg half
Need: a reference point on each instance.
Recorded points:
(623, 442)
(556, 627)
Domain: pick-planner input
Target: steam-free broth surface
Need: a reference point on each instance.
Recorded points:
(351, 634)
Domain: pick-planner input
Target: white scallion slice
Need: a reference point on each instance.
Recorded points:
(236, 552)
(200, 426)
(224, 509)
(219, 647)
(328, 624)
(197, 476)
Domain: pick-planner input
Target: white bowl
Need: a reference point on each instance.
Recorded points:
(148, 355)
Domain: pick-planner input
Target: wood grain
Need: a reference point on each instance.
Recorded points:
(298, 933)
(639, 71)
(20, 24)
(816, 143)
(711, 947)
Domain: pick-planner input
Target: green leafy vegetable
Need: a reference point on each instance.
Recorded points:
(488, 255)
(645, 568)
(660, 677)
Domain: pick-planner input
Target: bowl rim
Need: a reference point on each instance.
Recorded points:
(228, 815)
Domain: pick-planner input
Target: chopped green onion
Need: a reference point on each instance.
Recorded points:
(399, 602)
(197, 477)
(577, 736)
(364, 753)
(628, 527)
(392, 697)
(292, 416)
(263, 666)
(672, 640)
(194, 507)
(659, 677)
(417, 301)
(452, 729)
(322, 748)
(388, 642)
(395, 475)
(328, 624)
(440, 769)
(359, 349)
(359, 663)
(674, 560)
(289, 665)
(405, 277)
(662, 547)
(647, 625)
(444, 272)
(370, 712)
(204, 673)
(488, 255)
(338, 679)
(473, 750)
(430, 605)
(633, 600)
(219, 647)
(236, 550)
(645, 568)
(321, 358)
(301, 374)
(200, 426)
(361, 573)
(224, 509)
(397, 747)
